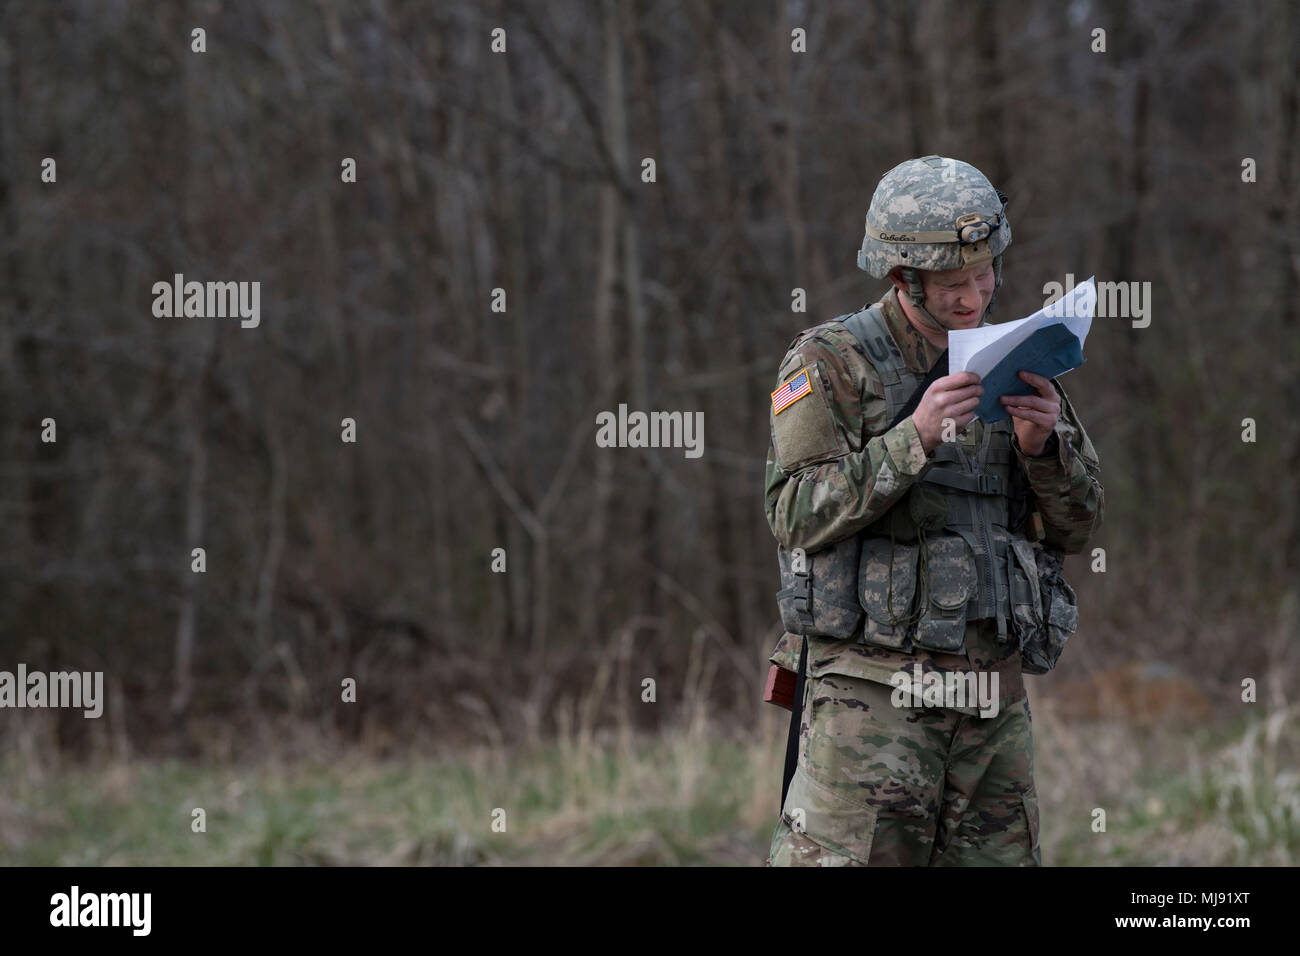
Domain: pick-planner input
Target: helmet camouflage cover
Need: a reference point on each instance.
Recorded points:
(933, 213)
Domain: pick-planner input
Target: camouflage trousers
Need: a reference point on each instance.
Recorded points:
(879, 785)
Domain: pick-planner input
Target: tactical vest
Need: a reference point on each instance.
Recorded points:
(943, 554)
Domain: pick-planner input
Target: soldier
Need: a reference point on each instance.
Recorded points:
(947, 531)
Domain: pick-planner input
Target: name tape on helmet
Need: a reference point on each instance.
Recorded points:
(971, 227)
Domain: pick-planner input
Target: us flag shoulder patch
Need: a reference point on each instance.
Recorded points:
(793, 390)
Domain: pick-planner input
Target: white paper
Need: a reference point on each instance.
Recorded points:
(979, 350)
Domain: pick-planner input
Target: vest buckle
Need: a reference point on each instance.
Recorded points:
(806, 598)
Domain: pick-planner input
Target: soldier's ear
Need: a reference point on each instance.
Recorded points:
(895, 276)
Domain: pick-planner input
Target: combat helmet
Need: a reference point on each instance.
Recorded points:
(934, 213)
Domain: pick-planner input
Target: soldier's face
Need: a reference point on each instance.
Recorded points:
(958, 298)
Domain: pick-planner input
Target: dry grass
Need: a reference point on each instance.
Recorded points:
(1224, 790)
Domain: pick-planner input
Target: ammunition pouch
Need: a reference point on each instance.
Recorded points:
(903, 594)
(818, 595)
(916, 594)
(1045, 610)
(887, 588)
(950, 573)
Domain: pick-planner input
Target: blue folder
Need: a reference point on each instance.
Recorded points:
(1051, 350)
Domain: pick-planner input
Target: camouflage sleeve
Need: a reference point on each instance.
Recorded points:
(830, 471)
(787, 650)
(1067, 482)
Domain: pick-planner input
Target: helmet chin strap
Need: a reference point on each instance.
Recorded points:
(916, 292)
(997, 283)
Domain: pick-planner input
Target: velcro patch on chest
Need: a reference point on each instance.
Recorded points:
(794, 389)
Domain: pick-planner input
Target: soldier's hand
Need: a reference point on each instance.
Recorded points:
(1035, 415)
(953, 396)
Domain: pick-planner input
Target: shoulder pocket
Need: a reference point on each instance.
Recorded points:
(804, 431)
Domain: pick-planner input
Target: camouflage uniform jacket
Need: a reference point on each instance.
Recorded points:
(832, 492)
